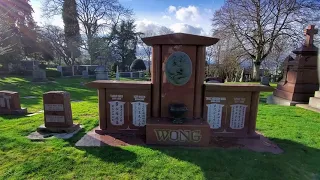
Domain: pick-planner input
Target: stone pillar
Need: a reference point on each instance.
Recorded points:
(57, 112)
(10, 103)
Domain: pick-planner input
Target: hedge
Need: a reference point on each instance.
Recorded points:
(53, 73)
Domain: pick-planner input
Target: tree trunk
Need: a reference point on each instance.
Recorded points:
(256, 71)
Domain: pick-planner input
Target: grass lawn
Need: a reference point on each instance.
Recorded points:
(295, 130)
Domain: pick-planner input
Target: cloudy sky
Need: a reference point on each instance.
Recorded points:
(188, 16)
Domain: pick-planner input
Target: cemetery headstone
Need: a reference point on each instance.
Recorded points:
(85, 74)
(214, 80)
(10, 104)
(242, 76)
(57, 113)
(39, 75)
(177, 107)
(101, 73)
(265, 80)
(299, 79)
(117, 74)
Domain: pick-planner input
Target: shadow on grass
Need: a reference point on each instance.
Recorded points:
(298, 160)
(75, 86)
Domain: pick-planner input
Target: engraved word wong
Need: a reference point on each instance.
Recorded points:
(178, 135)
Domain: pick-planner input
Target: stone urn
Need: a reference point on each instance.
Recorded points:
(177, 113)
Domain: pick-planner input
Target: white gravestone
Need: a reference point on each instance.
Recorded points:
(5, 101)
(214, 115)
(238, 116)
(55, 119)
(53, 107)
(139, 113)
(117, 113)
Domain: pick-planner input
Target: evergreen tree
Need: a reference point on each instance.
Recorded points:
(71, 28)
(20, 34)
(125, 43)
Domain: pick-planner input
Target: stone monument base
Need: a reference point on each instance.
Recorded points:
(314, 103)
(18, 112)
(262, 144)
(280, 101)
(70, 129)
(308, 107)
(191, 133)
(43, 135)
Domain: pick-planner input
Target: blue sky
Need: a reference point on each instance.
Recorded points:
(189, 16)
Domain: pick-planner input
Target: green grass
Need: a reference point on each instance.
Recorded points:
(295, 130)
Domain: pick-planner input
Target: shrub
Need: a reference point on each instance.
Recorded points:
(42, 66)
(53, 73)
(50, 78)
(138, 65)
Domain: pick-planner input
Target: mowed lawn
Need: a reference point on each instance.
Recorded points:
(295, 130)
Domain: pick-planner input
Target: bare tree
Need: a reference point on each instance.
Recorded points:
(257, 24)
(147, 50)
(55, 35)
(95, 16)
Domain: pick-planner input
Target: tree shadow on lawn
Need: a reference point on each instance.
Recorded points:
(297, 162)
(106, 153)
(24, 87)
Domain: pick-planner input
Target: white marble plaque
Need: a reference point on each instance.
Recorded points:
(53, 107)
(214, 115)
(238, 116)
(54, 119)
(139, 113)
(117, 113)
(5, 101)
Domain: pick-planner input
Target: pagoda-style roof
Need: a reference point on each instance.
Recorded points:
(180, 39)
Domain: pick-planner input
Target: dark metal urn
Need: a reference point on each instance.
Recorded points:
(177, 112)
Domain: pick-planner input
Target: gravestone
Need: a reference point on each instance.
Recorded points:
(57, 113)
(299, 80)
(85, 74)
(177, 107)
(10, 104)
(314, 102)
(39, 75)
(117, 74)
(101, 73)
(214, 80)
(265, 80)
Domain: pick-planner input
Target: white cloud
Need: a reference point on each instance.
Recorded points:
(151, 28)
(172, 9)
(146, 25)
(166, 17)
(186, 28)
(187, 13)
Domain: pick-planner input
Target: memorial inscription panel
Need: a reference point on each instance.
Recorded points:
(127, 111)
(227, 112)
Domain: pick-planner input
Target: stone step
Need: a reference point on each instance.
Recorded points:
(317, 94)
(314, 102)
